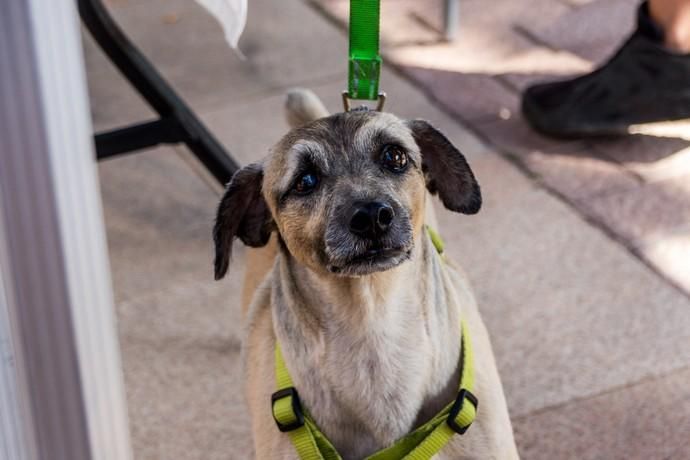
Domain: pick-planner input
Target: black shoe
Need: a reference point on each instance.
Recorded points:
(643, 82)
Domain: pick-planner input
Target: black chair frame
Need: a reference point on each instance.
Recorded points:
(177, 123)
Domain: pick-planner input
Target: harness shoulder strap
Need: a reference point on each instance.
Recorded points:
(461, 414)
(288, 414)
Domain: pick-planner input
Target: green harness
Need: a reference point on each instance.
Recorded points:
(422, 444)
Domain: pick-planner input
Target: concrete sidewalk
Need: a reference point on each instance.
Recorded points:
(593, 345)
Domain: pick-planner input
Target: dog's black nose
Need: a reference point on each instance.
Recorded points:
(371, 219)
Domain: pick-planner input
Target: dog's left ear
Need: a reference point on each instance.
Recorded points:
(446, 170)
(242, 213)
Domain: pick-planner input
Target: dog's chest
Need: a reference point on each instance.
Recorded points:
(371, 388)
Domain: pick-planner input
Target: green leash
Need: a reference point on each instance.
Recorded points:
(364, 65)
(422, 444)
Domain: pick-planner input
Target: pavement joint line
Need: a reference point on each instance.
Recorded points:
(424, 22)
(644, 181)
(610, 390)
(610, 192)
(634, 174)
(636, 250)
(602, 153)
(534, 39)
(404, 44)
(679, 230)
(326, 14)
(573, 6)
(506, 83)
(398, 70)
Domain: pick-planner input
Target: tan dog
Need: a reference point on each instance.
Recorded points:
(366, 312)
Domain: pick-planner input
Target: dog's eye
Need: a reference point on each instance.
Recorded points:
(394, 158)
(306, 183)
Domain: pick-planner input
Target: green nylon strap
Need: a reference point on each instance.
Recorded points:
(436, 239)
(364, 65)
(422, 444)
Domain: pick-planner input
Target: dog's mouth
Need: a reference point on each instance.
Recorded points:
(371, 261)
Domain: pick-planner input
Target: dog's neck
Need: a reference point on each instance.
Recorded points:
(372, 357)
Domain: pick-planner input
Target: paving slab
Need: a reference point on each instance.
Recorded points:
(405, 22)
(652, 158)
(671, 254)
(114, 102)
(206, 71)
(158, 217)
(192, 314)
(564, 306)
(514, 136)
(593, 31)
(643, 421)
(181, 357)
(647, 213)
(474, 97)
(579, 176)
(487, 42)
(184, 402)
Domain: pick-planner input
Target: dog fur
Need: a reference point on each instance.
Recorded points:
(372, 347)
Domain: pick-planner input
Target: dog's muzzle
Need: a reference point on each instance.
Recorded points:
(368, 236)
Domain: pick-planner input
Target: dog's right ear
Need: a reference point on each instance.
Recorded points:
(303, 106)
(242, 213)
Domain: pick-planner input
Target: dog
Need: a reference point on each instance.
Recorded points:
(349, 283)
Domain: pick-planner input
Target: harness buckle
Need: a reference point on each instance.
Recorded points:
(287, 417)
(460, 417)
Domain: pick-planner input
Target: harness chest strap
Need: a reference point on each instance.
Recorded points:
(422, 444)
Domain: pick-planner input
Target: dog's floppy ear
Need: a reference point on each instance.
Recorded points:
(446, 170)
(242, 213)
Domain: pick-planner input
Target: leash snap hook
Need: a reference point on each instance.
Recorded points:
(347, 102)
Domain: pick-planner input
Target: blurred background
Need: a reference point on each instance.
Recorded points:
(580, 257)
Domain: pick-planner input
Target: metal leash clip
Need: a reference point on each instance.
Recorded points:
(347, 102)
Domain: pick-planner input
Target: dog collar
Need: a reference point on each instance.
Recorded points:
(422, 444)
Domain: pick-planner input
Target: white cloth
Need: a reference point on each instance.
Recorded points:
(232, 15)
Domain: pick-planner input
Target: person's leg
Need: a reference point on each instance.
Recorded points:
(647, 80)
(673, 16)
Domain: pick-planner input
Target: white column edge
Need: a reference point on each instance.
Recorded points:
(74, 172)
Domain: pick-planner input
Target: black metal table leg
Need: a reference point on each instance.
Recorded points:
(177, 122)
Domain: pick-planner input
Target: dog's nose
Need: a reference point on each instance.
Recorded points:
(371, 219)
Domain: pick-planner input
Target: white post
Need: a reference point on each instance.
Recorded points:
(61, 385)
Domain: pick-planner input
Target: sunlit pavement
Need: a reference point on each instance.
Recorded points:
(578, 257)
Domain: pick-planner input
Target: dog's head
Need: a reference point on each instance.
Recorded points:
(345, 192)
